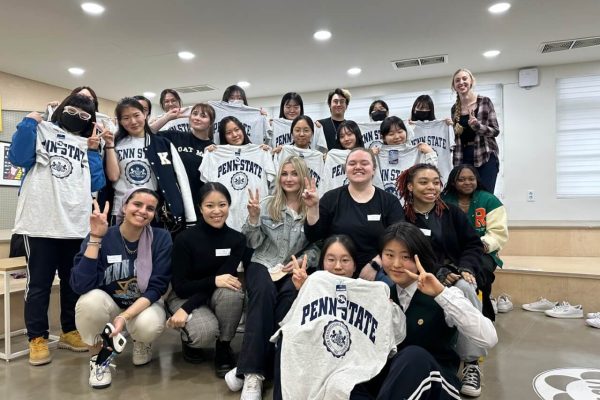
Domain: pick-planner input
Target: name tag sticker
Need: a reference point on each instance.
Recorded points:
(114, 259)
(374, 217)
(222, 252)
(426, 232)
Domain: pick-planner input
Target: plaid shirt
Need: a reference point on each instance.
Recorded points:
(485, 142)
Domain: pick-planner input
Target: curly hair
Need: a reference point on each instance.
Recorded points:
(408, 176)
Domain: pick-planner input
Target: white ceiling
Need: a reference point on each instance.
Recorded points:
(133, 46)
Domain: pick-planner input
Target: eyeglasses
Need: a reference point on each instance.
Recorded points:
(74, 111)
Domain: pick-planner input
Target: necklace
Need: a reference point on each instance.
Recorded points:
(127, 249)
(424, 213)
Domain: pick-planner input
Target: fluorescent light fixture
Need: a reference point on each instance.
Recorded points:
(92, 8)
(322, 35)
(243, 84)
(76, 71)
(491, 53)
(354, 71)
(149, 94)
(186, 55)
(499, 8)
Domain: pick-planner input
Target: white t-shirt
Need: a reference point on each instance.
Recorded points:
(282, 135)
(393, 160)
(339, 332)
(239, 168)
(440, 136)
(256, 124)
(334, 171)
(312, 158)
(371, 134)
(134, 167)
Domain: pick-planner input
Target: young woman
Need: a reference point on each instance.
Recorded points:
(207, 297)
(55, 197)
(457, 248)
(235, 94)
(139, 159)
(103, 119)
(422, 109)
(359, 210)
(274, 231)
(476, 128)
(487, 215)
(174, 114)
(378, 110)
(121, 273)
(146, 104)
(349, 136)
(292, 107)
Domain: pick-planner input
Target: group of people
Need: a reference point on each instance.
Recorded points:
(326, 225)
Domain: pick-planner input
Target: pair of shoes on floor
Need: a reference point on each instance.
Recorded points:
(593, 320)
(565, 310)
(39, 352)
(540, 305)
(251, 385)
(503, 303)
(471, 379)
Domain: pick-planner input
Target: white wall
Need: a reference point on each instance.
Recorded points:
(529, 141)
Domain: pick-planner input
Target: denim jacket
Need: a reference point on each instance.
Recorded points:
(275, 242)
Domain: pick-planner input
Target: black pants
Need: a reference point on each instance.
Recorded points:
(45, 257)
(487, 277)
(268, 303)
(488, 171)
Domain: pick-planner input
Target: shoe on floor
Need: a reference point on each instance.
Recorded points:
(592, 315)
(504, 304)
(72, 341)
(252, 389)
(593, 322)
(100, 376)
(39, 353)
(540, 305)
(192, 355)
(224, 360)
(142, 353)
(234, 383)
(565, 310)
(494, 304)
(471, 380)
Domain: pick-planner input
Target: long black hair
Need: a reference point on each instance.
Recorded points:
(415, 241)
(124, 103)
(453, 177)
(223, 126)
(353, 128)
(231, 90)
(79, 101)
(290, 96)
(345, 241)
(423, 100)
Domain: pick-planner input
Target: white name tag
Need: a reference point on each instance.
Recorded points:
(114, 259)
(222, 252)
(374, 217)
(426, 232)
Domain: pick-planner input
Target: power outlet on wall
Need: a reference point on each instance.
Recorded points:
(530, 195)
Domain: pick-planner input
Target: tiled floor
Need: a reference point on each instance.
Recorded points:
(530, 343)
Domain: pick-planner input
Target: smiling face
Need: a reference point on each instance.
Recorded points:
(462, 82)
(215, 209)
(395, 136)
(133, 120)
(170, 102)
(302, 134)
(289, 179)
(199, 120)
(140, 209)
(466, 182)
(425, 187)
(347, 139)
(234, 134)
(338, 260)
(291, 109)
(338, 106)
(395, 260)
(360, 167)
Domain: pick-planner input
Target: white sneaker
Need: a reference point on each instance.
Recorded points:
(142, 353)
(593, 322)
(565, 310)
(234, 383)
(504, 303)
(100, 376)
(542, 304)
(592, 315)
(494, 304)
(252, 387)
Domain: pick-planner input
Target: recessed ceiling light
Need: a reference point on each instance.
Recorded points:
(243, 84)
(149, 94)
(322, 35)
(499, 8)
(76, 71)
(186, 55)
(354, 71)
(92, 8)
(491, 53)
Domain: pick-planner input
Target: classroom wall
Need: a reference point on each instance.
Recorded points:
(529, 141)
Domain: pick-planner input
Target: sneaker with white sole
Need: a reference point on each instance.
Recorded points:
(540, 305)
(592, 315)
(504, 304)
(142, 353)
(100, 376)
(565, 310)
(494, 304)
(252, 389)
(234, 383)
(593, 322)
(471, 380)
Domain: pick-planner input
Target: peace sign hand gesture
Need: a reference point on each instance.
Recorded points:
(93, 141)
(99, 221)
(473, 122)
(427, 283)
(299, 272)
(310, 195)
(253, 207)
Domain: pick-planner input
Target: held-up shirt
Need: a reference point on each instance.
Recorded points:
(334, 172)
(440, 136)
(256, 125)
(282, 135)
(312, 158)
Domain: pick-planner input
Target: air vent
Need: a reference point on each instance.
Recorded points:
(195, 89)
(550, 47)
(419, 62)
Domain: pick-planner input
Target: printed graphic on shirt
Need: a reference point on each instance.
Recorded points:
(440, 137)
(312, 158)
(255, 124)
(393, 160)
(137, 172)
(62, 156)
(121, 279)
(336, 338)
(371, 134)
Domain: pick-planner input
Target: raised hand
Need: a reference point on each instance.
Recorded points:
(299, 274)
(228, 281)
(93, 142)
(473, 122)
(424, 148)
(35, 115)
(427, 283)
(253, 206)
(310, 195)
(107, 136)
(99, 220)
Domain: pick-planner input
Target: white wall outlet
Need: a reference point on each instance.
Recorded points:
(530, 195)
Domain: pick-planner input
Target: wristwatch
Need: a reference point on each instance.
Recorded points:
(375, 265)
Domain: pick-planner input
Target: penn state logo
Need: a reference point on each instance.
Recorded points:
(137, 172)
(239, 181)
(346, 181)
(390, 188)
(375, 143)
(336, 338)
(60, 166)
(568, 384)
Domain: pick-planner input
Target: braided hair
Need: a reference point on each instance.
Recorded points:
(458, 128)
(408, 176)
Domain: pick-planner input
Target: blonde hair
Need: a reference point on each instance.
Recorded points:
(458, 129)
(278, 201)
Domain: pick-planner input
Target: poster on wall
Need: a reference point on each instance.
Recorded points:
(11, 175)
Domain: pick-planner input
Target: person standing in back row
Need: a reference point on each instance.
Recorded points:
(338, 101)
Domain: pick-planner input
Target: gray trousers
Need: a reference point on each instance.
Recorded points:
(467, 350)
(216, 320)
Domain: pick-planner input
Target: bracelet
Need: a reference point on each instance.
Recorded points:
(375, 265)
(109, 147)
(94, 243)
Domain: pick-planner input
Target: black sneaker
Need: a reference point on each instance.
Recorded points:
(224, 361)
(192, 354)
(471, 380)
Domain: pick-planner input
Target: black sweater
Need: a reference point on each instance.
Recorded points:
(201, 253)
